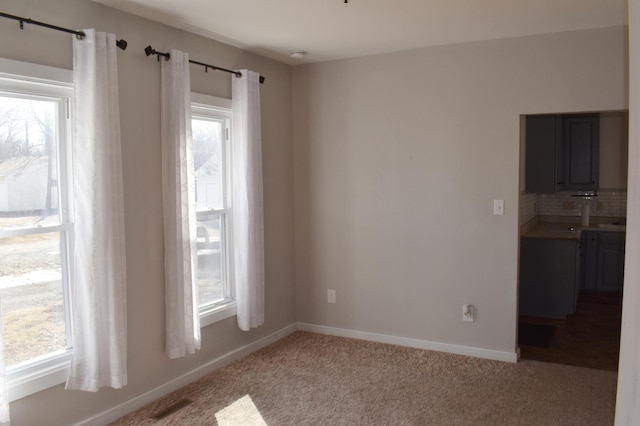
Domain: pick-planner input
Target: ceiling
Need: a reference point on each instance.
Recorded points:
(330, 29)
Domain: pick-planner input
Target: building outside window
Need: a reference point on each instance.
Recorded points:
(36, 226)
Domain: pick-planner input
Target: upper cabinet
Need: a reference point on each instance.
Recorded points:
(562, 153)
(541, 154)
(580, 145)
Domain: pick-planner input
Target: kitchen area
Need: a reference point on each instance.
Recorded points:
(572, 237)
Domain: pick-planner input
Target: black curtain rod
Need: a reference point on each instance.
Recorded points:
(151, 51)
(122, 44)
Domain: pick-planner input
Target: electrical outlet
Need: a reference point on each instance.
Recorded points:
(331, 296)
(468, 314)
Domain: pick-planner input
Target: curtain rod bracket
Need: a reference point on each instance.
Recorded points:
(151, 51)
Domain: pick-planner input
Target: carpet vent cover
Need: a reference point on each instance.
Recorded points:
(176, 406)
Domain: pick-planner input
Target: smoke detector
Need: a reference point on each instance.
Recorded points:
(297, 54)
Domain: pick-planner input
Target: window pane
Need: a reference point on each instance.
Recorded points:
(210, 261)
(207, 143)
(31, 296)
(28, 166)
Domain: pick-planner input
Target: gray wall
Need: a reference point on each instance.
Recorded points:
(139, 81)
(397, 159)
(628, 403)
(614, 147)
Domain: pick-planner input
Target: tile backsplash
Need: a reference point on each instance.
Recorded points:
(607, 203)
(527, 207)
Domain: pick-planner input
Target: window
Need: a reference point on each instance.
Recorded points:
(211, 124)
(35, 224)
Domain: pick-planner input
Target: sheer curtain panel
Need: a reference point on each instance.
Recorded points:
(178, 195)
(98, 290)
(247, 212)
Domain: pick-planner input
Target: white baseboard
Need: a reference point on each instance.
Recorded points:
(412, 343)
(141, 400)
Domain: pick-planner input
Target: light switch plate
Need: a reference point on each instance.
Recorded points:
(468, 313)
(498, 207)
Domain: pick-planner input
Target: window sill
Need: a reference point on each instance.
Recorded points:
(218, 313)
(37, 376)
(25, 380)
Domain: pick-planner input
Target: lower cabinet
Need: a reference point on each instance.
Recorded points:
(603, 261)
(549, 277)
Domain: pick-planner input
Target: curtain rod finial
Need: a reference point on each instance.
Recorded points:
(122, 44)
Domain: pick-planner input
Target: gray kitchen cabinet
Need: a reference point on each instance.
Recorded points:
(549, 270)
(562, 153)
(603, 261)
(581, 146)
(540, 163)
(589, 260)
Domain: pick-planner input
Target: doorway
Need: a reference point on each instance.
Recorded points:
(589, 334)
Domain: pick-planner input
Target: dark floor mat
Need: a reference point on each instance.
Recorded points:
(535, 334)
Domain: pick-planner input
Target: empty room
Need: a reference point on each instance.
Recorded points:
(319, 212)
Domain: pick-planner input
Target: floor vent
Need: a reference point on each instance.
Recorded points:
(171, 409)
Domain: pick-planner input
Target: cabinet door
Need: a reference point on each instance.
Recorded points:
(589, 256)
(581, 141)
(540, 164)
(547, 277)
(610, 266)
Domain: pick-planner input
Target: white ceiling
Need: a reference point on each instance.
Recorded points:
(329, 29)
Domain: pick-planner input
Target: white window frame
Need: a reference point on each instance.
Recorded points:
(206, 106)
(26, 78)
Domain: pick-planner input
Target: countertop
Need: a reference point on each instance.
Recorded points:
(568, 229)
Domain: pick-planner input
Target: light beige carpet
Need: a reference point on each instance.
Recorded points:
(313, 379)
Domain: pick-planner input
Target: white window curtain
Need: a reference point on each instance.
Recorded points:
(178, 193)
(247, 212)
(98, 290)
(4, 397)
